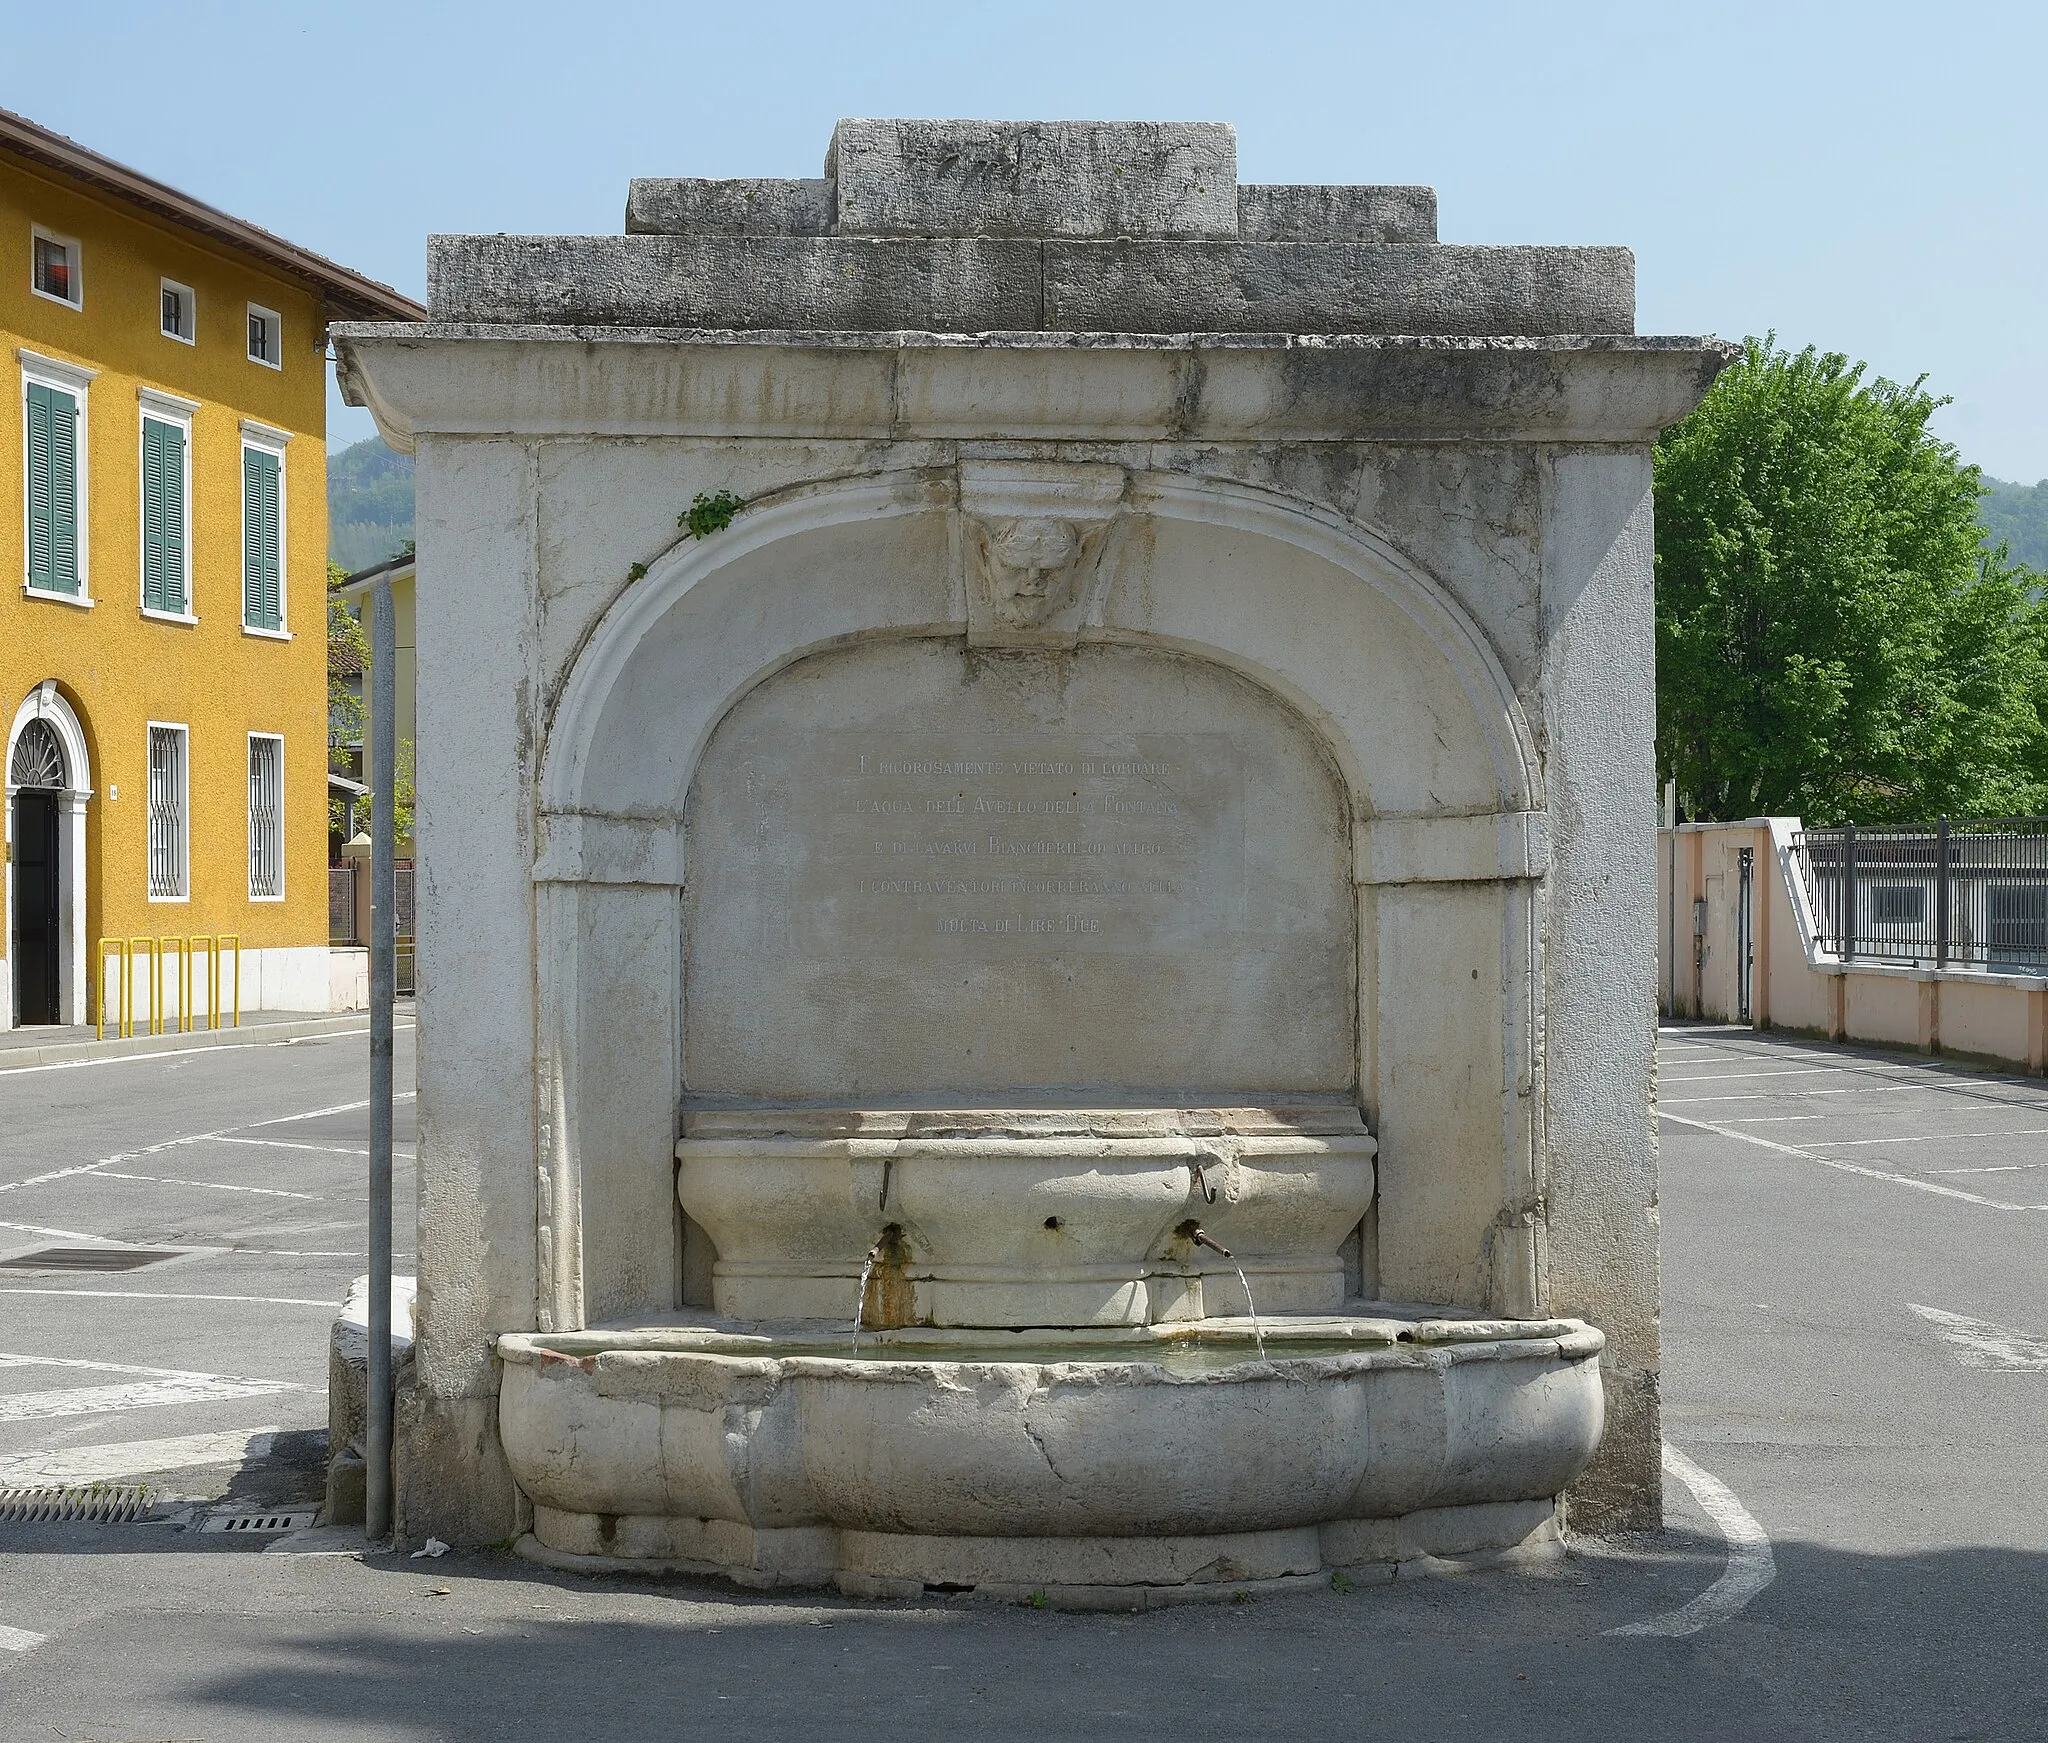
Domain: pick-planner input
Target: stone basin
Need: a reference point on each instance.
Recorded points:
(1124, 1466)
(1028, 1217)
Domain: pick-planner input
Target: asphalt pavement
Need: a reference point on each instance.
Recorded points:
(1856, 1403)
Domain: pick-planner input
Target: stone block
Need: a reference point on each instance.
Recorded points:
(1335, 287)
(1035, 178)
(1316, 213)
(832, 283)
(746, 206)
(976, 285)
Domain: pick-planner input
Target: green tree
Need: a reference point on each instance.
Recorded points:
(1832, 638)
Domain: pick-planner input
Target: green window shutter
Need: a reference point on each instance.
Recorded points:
(262, 575)
(163, 517)
(52, 489)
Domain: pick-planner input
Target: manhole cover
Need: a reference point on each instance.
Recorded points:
(88, 1259)
(99, 1502)
(291, 1519)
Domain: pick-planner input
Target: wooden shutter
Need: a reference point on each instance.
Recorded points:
(262, 561)
(163, 516)
(52, 489)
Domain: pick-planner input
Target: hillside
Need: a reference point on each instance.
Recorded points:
(2017, 514)
(369, 504)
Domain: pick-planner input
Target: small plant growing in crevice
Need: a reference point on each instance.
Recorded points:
(710, 514)
(1038, 1600)
(1340, 1582)
(634, 571)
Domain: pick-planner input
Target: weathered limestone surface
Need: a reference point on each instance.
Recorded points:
(1044, 467)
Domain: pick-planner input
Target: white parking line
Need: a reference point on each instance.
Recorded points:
(1751, 1566)
(136, 1458)
(19, 1639)
(144, 1389)
(58, 1234)
(1846, 1167)
(159, 1295)
(211, 1185)
(187, 1052)
(1946, 1138)
(1791, 1094)
(1985, 1345)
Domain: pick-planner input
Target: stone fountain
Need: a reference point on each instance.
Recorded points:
(1035, 930)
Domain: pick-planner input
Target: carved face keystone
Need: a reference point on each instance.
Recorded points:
(1033, 566)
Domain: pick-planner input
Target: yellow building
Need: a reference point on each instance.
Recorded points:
(163, 622)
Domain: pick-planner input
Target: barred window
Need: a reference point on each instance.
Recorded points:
(167, 810)
(266, 818)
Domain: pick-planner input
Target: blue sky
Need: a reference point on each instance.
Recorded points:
(1866, 177)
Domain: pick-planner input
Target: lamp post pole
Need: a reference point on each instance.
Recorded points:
(383, 964)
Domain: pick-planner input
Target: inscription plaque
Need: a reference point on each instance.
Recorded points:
(1130, 844)
(913, 872)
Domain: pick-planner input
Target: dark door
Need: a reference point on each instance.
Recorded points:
(35, 906)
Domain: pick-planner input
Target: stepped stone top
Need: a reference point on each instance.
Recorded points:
(1030, 226)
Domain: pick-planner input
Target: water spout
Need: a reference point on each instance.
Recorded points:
(860, 1300)
(1252, 1308)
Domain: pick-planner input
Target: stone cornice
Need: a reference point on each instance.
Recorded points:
(467, 379)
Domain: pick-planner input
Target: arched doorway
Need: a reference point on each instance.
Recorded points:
(47, 787)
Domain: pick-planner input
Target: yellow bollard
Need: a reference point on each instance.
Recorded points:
(149, 949)
(183, 985)
(212, 976)
(117, 949)
(235, 938)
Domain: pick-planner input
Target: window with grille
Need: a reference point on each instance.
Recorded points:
(1898, 904)
(266, 818)
(167, 803)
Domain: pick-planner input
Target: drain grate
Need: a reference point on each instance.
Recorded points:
(88, 1259)
(97, 1502)
(290, 1519)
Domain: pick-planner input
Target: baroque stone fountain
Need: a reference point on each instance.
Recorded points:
(1050, 993)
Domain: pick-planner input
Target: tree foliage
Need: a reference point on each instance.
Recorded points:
(1833, 640)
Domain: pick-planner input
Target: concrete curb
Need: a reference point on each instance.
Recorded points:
(114, 1047)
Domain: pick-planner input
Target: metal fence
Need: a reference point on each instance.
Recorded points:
(1956, 895)
(341, 904)
(343, 922)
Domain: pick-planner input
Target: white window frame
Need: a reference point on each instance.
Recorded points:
(268, 440)
(74, 379)
(188, 304)
(184, 734)
(76, 301)
(273, 326)
(165, 408)
(277, 824)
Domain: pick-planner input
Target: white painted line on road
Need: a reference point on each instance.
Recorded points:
(1794, 1094)
(137, 1395)
(1993, 1168)
(160, 1295)
(19, 1639)
(10, 1359)
(135, 1458)
(61, 1234)
(1787, 1071)
(1934, 1187)
(340, 1107)
(1946, 1138)
(322, 1149)
(212, 1185)
(1751, 1566)
(1985, 1345)
(1772, 1119)
(187, 1052)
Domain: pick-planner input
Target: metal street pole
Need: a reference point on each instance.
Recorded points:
(383, 965)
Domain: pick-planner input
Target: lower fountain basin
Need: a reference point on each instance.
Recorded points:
(1091, 1467)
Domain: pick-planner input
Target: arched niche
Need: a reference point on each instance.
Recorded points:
(1427, 766)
